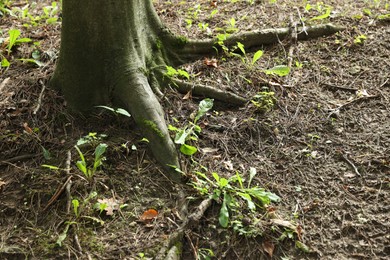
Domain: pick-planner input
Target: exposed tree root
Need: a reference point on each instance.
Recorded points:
(194, 49)
(172, 247)
(143, 105)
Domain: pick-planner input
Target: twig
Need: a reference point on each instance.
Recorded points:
(192, 246)
(351, 164)
(339, 87)
(3, 83)
(18, 158)
(343, 106)
(57, 193)
(69, 184)
(302, 21)
(294, 38)
(39, 98)
(77, 242)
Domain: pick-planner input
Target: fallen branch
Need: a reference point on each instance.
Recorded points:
(39, 98)
(343, 106)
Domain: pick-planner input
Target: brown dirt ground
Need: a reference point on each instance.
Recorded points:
(323, 148)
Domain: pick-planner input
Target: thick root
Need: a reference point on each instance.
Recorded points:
(195, 49)
(210, 92)
(135, 93)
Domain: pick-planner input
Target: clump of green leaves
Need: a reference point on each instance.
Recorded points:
(360, 39)
(264, 101)
(98, 159)
(234, 196)
(14, 39)
(321, 8)
(176, 73)
(192, 129)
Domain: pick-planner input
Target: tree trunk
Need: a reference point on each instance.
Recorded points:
(108, 48)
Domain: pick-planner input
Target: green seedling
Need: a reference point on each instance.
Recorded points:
(15, 40)
(78, 208)
(233, 195)
(324, 10)
(176, 73)
(264, 101)
(244, 58)
(98, 161)
(279, 70)
(359, 40)
(92, 138)
(192, 129)
(205, 254)
(231, 26)
(117, 111)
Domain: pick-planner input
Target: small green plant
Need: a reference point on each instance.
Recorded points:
(232, 194)
(205, 254)
(15, 40)
(264, 101)
(4, 7)
(176, 73)
(91, 140)
(98, 161)
(231, 26)
(78, 208)
(244, 58)
(279, 70)
(117, 111)
(359, 40)
(322, 9)
(191, 130)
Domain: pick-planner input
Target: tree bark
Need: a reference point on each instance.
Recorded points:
(107, 48)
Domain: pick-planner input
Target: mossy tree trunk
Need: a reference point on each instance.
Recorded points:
(108, 51)
(114, 52)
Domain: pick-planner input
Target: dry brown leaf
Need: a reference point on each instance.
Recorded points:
(214, 3)
(148, 215)
(187, 96)
(27, 128)
(211, 62)
(268, 247)
(111, 205)
(2, 183)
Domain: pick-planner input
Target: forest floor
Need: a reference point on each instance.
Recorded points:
(318, 138)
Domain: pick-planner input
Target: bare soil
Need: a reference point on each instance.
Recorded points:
(323, 148)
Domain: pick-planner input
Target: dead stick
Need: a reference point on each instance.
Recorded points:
(39, 98)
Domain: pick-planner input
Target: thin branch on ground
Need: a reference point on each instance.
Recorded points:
(203, 90)
(58, 192)
(39, 102)
(343, 106)
(294, 39)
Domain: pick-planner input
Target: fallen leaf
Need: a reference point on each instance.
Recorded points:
(299, 232)
(2, 183)
(228, 165)
(269, 247)
(148, 215)
(213, 3)
(187, 96)
(110, 205)
(27, 128)
(211, 62)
